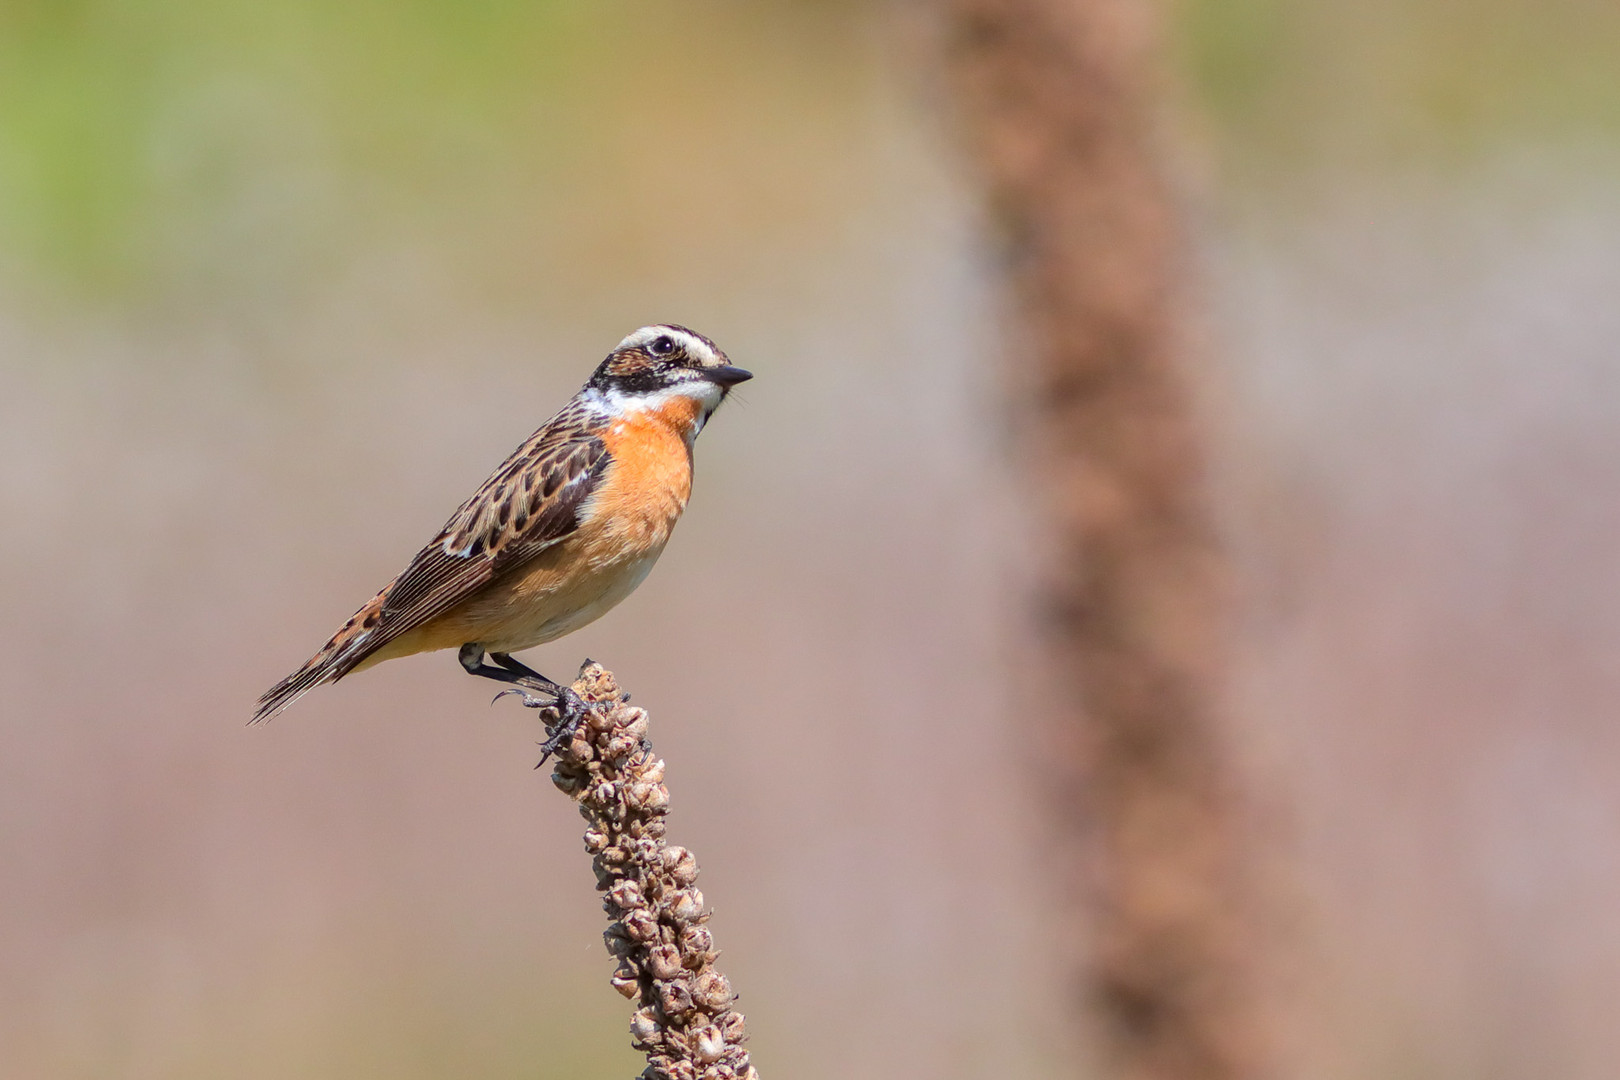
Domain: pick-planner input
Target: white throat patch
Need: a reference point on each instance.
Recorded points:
(617, 404)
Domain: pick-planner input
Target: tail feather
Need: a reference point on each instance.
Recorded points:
(358, 639)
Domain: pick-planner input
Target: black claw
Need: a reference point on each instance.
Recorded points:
(572, 709)
(529, 700)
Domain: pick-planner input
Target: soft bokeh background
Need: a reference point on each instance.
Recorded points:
(279, 283)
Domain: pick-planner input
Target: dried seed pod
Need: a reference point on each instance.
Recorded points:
(712, 991)
(686, 905)
(644, 1026)
(674, 997)
(604, 793)
(618, 942)
(654, 771)
(664, 961)
(596, 839)
(735, 1027)
(626, 894)
(697, 945)
(641, 925)
(681, 864)
(636, 725)
(628, 987)
(708, 1044)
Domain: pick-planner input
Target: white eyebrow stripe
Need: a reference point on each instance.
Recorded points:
(695, 346)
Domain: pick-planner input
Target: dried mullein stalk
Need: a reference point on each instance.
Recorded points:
(659, 935)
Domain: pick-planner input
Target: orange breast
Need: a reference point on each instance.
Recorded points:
(647, 486)
(626, 523)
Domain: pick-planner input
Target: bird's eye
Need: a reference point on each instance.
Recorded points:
(662, 345)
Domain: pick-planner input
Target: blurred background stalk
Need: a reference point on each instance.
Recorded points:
(1062, 111)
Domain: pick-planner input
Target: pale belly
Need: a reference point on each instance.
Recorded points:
(537, 604)
(558, 593)
(550, 616)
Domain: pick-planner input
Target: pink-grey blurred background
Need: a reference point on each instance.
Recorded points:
(280, 283)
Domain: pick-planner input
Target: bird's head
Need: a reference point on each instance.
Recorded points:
(668, 369)
(659, 359)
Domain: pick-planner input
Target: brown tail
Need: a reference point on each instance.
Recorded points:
(350, 646)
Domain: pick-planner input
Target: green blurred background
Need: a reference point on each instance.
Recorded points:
(280, 282)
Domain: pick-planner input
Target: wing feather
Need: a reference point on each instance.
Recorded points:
(531, 502)
(508, 521)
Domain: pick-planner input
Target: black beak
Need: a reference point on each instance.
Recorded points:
(726, 375)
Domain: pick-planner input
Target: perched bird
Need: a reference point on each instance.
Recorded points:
(566, 528)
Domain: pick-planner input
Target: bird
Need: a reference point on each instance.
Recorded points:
(562, 531)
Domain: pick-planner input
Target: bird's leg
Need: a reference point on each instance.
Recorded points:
(571, 708)
(524, 671)
(507, 670)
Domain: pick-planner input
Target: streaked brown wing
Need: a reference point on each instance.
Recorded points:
(531, 502)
